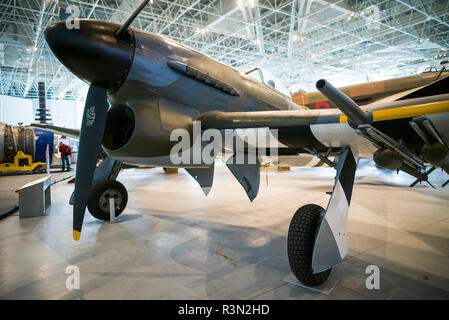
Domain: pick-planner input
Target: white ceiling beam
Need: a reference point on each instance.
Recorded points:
(423, 12)
(179, 16)
(259, 30)
(291, 37)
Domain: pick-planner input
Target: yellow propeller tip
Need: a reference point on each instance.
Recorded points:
(76, 235)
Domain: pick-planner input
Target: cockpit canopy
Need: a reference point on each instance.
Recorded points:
(267, 78)
(444, 66)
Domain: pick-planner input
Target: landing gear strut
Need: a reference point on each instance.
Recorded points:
(317, 237)
(98, 203)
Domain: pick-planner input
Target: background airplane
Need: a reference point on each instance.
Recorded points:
(431, 82)
(143, 86)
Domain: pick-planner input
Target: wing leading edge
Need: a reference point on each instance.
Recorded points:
(72, 133)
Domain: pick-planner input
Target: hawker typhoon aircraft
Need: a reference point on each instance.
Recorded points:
(143, 86)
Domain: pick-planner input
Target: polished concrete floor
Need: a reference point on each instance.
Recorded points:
(172, 242)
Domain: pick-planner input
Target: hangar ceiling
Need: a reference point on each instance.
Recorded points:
(299, 41)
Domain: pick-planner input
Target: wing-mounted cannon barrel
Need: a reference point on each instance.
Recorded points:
(355, 114)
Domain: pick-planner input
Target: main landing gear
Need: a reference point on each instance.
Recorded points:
(100, 193)
(104, 187)
(317, 237)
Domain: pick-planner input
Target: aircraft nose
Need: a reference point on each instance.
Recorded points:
(92, 52)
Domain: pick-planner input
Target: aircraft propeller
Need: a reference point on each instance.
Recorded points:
(121, 32)
(91, 136)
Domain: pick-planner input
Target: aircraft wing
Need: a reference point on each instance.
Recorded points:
(437, 87)
(319, 133)
(382, 91)
(296, 118)
(72, 133)
(258, 119)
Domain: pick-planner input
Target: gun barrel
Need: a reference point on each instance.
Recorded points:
(344, 103)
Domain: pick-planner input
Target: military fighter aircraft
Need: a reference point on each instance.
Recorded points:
(143, 86)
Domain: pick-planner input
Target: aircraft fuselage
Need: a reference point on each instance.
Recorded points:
(167, 86)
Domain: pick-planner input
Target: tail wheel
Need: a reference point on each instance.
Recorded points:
(301, 239)
(98, 202)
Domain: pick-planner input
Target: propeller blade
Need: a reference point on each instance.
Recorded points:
(91, 135)
(120, 32)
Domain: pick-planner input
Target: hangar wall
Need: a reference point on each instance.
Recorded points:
(14, 110)
(65, 113)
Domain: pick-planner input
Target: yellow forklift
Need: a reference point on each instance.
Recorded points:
(17, 150)
(23, 163)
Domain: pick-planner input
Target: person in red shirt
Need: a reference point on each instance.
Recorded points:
(65, 155)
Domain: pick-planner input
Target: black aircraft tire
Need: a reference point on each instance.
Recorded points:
(98, 202)
(301, 238)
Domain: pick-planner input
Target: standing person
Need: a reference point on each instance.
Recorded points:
(65, 155)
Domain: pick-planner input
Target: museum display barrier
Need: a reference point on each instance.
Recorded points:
(34, 198)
